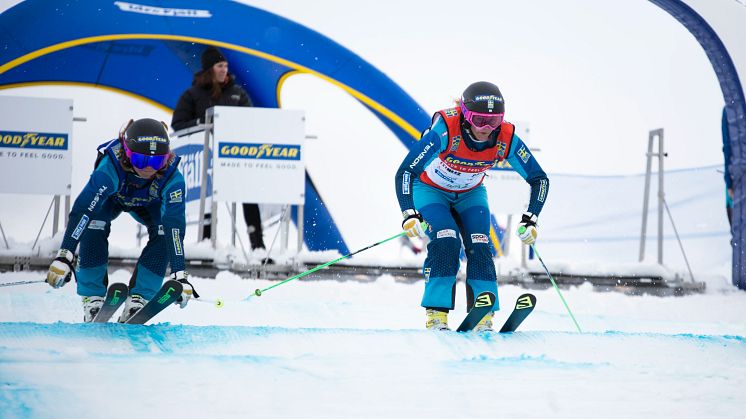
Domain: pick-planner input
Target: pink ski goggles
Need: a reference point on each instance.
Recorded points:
(481, 120)
(142, 161)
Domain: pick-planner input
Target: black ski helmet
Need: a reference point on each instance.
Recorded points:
(483, 97)
(147, 136)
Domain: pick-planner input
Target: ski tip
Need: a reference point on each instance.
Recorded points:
(525, 301)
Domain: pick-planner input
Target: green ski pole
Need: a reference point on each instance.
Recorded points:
(554, 284)
(259, 292)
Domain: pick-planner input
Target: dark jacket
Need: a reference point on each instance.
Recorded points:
(192, 104)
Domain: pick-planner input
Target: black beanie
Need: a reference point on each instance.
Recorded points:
(210, 57)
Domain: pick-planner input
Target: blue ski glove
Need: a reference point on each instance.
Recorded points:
(527, 228)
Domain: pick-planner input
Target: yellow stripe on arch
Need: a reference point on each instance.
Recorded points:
(151, 102)
(396, 119)
(281, 81)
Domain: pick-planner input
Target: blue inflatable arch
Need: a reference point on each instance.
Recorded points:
(717, 28)
(151, 51)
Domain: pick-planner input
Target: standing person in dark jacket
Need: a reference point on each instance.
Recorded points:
(214, 86)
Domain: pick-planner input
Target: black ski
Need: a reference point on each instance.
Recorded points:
(482, 305)
(169, 292)
(523, 307)
(115, 296)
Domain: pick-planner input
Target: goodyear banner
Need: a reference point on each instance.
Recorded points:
(35, 148)
(259, 155)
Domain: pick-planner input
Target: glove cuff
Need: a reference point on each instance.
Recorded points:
(529, 219)
(66, 255)
(411, 213)
(180, 275)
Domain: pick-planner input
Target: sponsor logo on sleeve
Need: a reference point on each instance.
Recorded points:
(446, 233)
(406, 183)
(160, 230)
(97, 225)
(96, 198)
(421, 155)
(177, 241)
(175, 196)
(543, 190)
(479, 238)
(80, 227)
(524, 154)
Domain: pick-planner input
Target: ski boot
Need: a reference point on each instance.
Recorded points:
(436, 320)
(91, 307)
(485, 325)
(132, 305)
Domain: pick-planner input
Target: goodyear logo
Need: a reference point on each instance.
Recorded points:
(151, 139)
(469, 163)
(484, 98)
(259, 151)
(40, 140)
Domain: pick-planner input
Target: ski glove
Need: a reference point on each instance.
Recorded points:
(187, 292)
(413, 223)
(527, 228)
(60, 270)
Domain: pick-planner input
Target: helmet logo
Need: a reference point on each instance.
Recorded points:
(481, 98)
(153, 146)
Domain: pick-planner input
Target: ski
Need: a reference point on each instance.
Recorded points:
(169, 292)
(523, 307)
(482, 305)
(115, 296)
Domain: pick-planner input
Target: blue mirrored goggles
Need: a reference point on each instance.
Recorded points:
(142, 161)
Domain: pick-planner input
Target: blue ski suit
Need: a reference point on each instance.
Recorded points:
(158, 204)
(441, 178)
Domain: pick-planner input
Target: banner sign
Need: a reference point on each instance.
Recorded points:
(35, 146)
(259, 155)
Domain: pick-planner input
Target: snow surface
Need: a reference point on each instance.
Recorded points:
(329, 349)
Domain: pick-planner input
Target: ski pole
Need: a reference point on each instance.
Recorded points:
(259, 292)
(554, 284)
(11, 284)
(218, 303)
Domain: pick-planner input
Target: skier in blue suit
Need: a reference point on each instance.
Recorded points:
(136, 173)
(440, 182)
